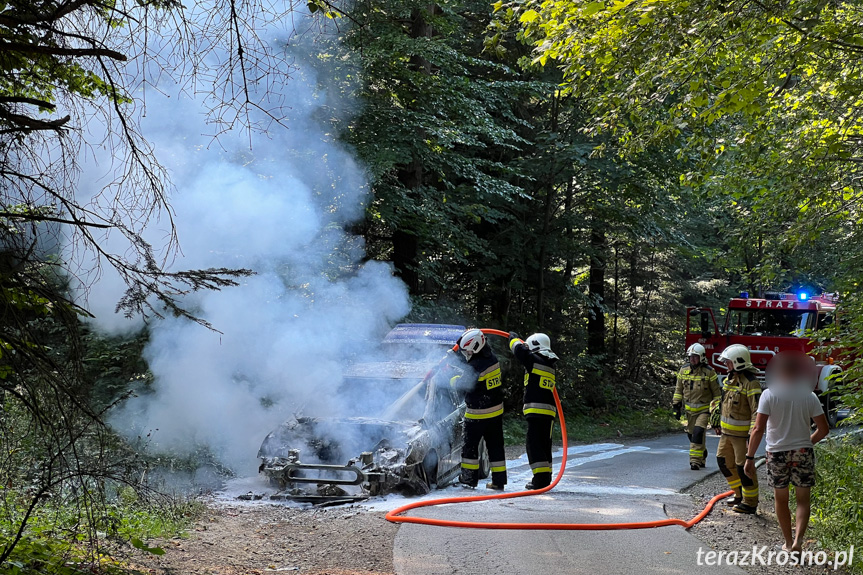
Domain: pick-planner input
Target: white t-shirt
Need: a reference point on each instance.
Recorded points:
(788, 423)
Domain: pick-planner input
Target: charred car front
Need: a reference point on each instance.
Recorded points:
(411, 446)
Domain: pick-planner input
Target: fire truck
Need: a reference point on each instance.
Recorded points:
(767, 325)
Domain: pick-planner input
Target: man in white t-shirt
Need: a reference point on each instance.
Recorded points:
(785, 412)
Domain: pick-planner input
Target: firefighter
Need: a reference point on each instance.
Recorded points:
(740, 395)
(539, 407)
(698, 392)
(484, 414)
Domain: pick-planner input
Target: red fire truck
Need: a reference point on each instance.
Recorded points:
(768, 325)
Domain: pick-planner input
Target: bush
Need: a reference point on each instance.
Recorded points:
(837, 500)
(592, 426)
(56, 541)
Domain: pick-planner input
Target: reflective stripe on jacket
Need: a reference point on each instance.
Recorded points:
(697, 388)
(539, 380)
(740, 397)
(484, 397)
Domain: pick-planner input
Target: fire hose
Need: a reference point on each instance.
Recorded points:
(396, 515)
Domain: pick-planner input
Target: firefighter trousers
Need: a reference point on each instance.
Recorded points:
(475, 430)
(539, 448)
(730, 456)
(696, 428)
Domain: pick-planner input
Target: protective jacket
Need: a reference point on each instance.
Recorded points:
(697, 388)
(484, 398)
(539, 380)
(740, 396)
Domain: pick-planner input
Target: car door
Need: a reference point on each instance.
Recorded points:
(450, 434)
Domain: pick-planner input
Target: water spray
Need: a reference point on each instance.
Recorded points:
(397, 515)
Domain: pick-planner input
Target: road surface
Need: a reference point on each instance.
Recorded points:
(605, 482)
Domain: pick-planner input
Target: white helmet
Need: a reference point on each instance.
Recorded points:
(697, 349)
(739, 355)
(471, 342)
(541, 344)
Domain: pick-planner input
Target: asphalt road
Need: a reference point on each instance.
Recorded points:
(606, 482)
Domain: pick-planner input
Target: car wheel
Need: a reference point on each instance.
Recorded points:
(430, 467)
(484, 462)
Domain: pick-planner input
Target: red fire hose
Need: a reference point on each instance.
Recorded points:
(395, 516)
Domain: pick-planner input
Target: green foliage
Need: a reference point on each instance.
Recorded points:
(589, 428)
(837, 499)
(114, 366)
(54, 541)
(761, 103)
(489, 193)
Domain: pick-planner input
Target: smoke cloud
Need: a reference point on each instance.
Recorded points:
(279, 208)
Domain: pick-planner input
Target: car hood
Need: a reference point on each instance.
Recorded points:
(337, 440)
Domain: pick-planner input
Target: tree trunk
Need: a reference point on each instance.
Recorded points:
(596, 289)
(615, 348)
(405, 248)
(546, 225)
(406, 245)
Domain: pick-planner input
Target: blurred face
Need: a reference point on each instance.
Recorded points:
(694, 360)
(792, 369)
(729, 364)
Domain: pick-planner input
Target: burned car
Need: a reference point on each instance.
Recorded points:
(411, 446)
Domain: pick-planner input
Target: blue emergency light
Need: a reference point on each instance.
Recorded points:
(803, 296)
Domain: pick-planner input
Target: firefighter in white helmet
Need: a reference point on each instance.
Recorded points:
(539, 407)
(697, 392)
(740, 395)
(484, 415)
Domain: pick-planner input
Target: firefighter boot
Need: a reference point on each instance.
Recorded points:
(697, 440)
(468, 477)
(749, 489)
(746, 509)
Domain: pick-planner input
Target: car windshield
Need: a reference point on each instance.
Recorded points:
(372, 396)
(764, 322)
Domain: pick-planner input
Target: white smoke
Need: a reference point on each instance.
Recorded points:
(279, 208)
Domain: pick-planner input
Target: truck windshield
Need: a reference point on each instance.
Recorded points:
(775, 323)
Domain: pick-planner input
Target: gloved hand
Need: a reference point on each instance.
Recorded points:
(678, 410)
(715, 419)
(513, 335)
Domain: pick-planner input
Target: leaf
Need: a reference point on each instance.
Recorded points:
(593, 8)
(138, 544)
(529, 16)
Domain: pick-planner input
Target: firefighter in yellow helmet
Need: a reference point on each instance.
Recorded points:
(740, 395)
(697, 392)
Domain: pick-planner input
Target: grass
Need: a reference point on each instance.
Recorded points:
(590, 428)
(56, 540)
(837, 499)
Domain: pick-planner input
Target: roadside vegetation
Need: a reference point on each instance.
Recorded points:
(587, 169)
(591, 427)
(837, 500)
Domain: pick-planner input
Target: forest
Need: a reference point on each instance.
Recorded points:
(585, 169)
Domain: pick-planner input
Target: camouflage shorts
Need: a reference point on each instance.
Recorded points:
(796, 467)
